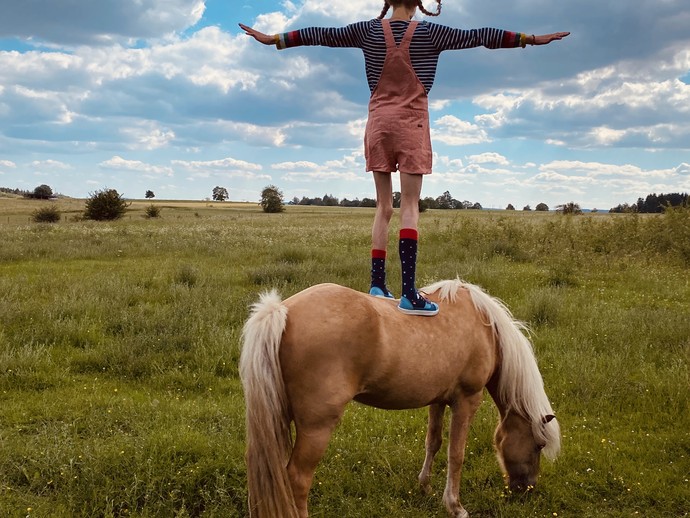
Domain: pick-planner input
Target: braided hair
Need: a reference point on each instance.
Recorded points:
(409, 3)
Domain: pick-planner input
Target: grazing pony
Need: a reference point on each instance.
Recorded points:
(305, 358)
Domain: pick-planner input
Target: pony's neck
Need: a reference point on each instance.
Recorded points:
(492, 388)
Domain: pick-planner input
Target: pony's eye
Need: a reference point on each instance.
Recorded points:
(540, 447)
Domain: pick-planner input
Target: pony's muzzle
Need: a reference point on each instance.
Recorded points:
(522, 484)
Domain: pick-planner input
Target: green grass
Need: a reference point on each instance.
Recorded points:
(119, 345)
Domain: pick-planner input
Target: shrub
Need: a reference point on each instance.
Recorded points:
(152, 211)
(187, 275)
(569, 208)
(46, 215)
(105, 205)
(272, 199)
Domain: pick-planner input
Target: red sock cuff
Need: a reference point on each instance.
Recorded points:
(378, 254)
(409, 233)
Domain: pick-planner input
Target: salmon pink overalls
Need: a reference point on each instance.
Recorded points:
(397, 134)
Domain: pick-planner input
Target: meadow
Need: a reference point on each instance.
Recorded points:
(119, 342)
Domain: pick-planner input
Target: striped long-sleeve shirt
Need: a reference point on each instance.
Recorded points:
(429, 40)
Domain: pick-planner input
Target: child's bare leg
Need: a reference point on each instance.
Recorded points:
(384, 210)
(410, 191)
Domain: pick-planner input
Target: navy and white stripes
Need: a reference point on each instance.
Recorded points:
(429, 40)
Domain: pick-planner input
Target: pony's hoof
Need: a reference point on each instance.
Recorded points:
(459, 512)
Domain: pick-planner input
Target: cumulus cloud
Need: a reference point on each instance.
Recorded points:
(7, 164)
(488, 158)
(118, 163)
(227, 167)
(50, 164)
(456, 132)
(295, 165)
(87, 22)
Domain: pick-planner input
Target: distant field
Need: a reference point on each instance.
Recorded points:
(119, 345)
(17, 210)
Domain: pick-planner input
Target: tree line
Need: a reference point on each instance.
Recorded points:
(42, 192)
(445, 201)
(654, 203)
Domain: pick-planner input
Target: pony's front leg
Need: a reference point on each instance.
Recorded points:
(433, 442)
(462, 413)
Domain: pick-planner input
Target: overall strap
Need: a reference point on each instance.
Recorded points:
(388, 33)
(390, 39)
(405, 43)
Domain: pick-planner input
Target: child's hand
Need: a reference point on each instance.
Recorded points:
(259, 36)
(544, 39)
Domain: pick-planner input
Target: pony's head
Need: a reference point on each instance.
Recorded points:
(519, 444)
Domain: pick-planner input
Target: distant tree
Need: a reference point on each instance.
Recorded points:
(445, 201)
(330, 201)
(149, 195)
(430, 203)
(105, 205)
(42, 192)
(467, 204)
(397, 196)
(294, 201)
(367, 202)
(510, 207)
(570, 208)
(349, 203)
(423, 205)
(542, 207)
(220, 194)
(595, 210)
(477, 206)
(527, 208)
(272, 199)
(624, 208)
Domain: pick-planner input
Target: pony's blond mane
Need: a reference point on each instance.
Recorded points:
(521, 386)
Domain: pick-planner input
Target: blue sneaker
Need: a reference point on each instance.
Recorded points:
(378, 292)
(429, 310)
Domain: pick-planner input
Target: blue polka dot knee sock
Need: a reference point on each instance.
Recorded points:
(408, 262)
(378, 269)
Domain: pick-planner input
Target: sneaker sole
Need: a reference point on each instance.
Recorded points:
(419, 312)
(383, 297)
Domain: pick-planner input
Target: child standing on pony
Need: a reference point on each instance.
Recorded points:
(401, 56)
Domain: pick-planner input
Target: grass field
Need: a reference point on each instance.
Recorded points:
(119, 342)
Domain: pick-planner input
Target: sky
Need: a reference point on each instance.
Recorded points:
(171, 96)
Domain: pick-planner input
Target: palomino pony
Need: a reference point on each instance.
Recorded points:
(305, 358)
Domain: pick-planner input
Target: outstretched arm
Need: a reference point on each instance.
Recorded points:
(352, 36)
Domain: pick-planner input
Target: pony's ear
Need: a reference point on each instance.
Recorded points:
(548, 418)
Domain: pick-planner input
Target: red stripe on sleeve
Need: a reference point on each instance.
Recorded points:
(510, 40)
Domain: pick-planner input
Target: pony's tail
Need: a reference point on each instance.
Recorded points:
(269, 441)
(520, 385)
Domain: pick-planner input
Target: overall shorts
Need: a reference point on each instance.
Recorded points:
(397, 135)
